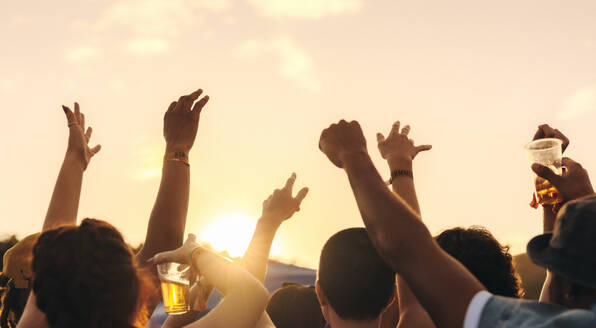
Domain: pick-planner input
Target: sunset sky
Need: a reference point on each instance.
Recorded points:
(473, 78)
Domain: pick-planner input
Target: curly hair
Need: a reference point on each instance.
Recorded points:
(86, 276)
(489, 261)
(13, 303)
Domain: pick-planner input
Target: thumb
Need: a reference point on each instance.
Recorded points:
(95, 150)
(380, 138)
(546, 173)
(423, 148)
(301, 194)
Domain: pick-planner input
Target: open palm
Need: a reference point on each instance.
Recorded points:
(78, 140)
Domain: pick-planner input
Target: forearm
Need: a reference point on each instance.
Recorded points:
(64, 204)
(392, 224)
(548, 218)
(412, 314)
(168, 217)
(548, 225)
(404, 185)
(257, 254)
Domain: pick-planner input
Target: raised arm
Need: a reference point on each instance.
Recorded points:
(573, 184)
(168, 217)
(64, 204)
(280, 206)
(399, 151)
(442, 285)
(244, 297)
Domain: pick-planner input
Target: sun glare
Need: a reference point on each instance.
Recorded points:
(232, 232)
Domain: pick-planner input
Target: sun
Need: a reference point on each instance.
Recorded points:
(231, 232)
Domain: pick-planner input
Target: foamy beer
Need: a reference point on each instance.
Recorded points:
(547, 152)
(174, 287)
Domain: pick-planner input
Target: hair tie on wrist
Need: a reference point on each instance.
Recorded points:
(400, 173)
(177, 156)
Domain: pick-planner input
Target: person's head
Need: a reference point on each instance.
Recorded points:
(86, 276)
(16, 280)
(353, 281)
(488, 260)
(295, 306)
(568, 252)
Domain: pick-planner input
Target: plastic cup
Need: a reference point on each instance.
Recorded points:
(175, 284)
(547, 152)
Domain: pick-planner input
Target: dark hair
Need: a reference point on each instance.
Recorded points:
(295, 306)
(489, 261)
(13, 303)
(356, 281)
(86, 276)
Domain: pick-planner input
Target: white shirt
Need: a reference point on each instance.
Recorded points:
(474, 311)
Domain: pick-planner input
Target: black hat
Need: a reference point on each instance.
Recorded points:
(570, 250)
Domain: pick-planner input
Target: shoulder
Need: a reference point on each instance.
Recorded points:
(510, 312)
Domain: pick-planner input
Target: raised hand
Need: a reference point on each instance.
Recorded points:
(181, 122)
(342, 139)
(573, 184)
(78, 139)
(397, 147)
(545, 131)
(281, 205)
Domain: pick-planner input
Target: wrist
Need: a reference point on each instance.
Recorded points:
(170, 148)
(176, 156)
(399, 163)
(269, 222)
(74, 160)
(193, 258)
(354, 158)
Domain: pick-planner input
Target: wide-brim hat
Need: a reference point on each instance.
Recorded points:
(570, 250)
(17, 261)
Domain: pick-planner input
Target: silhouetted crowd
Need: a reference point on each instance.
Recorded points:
(392, 273)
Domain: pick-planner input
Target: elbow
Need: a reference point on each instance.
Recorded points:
(261, 295)
(400, 248)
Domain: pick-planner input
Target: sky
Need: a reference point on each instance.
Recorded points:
(472, 78)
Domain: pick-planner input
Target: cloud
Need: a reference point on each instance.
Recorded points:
(305, 8)
(82, 53)
(580, 103)
(145, 46)
(295, 63)
(157, 17)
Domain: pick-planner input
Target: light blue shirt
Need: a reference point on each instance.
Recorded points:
(502, 312)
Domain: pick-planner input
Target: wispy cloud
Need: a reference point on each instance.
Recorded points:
(145, 46)
(305, 8)
(82, 53)
(295, 63)
(157, 17)
(580, 103)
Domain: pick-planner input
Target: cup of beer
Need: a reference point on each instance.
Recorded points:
(547, 152)
(175, 283)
